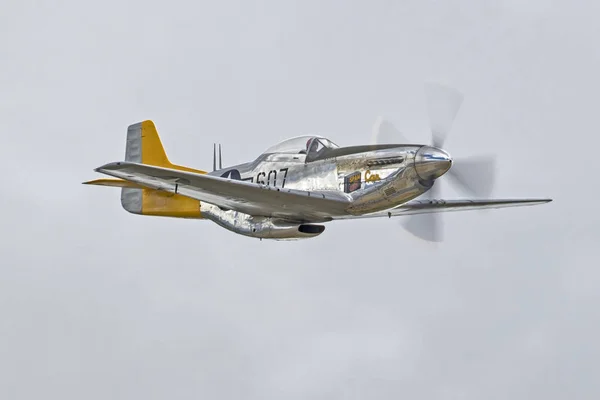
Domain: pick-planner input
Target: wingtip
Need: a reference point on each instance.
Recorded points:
(109, 166)
(537, 201)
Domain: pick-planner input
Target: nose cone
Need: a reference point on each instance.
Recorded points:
(431, 162)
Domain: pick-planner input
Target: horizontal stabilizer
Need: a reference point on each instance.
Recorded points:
(114, 183)
(143, 145)
(246, 197)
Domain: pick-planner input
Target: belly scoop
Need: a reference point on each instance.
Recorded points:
(259, 227)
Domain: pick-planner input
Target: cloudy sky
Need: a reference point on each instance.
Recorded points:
(97, 303)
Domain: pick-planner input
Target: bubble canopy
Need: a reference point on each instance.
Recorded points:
(300, 144)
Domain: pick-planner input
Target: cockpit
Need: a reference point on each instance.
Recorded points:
(312, 146)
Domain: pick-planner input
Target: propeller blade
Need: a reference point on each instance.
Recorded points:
(384, 132)
(474, 175)
(443, 104)
(428, 226)
(425, 226)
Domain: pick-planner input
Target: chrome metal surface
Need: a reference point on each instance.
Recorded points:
(439, 205)
(220, 158)
(246, 197)
(259, 227)
(303, 181)
(431, 163)
(131, 199)
(473, 176)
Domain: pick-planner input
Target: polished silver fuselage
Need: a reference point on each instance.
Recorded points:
(382, 185)
(381, 177)
(292, 188)
(373, 178)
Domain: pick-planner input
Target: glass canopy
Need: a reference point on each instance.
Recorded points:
(300, 144)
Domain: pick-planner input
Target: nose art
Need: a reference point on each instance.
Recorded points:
(431, 162)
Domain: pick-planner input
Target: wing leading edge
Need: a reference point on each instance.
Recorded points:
(245, 197)
(291, 204)
(439, 206)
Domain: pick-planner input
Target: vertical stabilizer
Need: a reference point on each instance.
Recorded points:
(144, 146)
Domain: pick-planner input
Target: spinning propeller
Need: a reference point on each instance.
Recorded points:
(473, 176)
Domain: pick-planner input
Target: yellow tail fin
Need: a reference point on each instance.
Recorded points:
(145, 147)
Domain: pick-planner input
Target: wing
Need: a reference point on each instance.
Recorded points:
(438, 206)
(246, 197)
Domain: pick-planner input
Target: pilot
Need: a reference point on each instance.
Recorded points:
(313, 146)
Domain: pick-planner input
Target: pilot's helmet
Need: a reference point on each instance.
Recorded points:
(313, 143)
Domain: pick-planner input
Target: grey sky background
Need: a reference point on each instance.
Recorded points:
(97, 303)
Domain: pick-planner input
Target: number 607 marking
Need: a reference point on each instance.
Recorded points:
(271, 178)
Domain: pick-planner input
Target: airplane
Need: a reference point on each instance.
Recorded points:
(294, 187)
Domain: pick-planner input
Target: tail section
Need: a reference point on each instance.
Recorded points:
(144, 146)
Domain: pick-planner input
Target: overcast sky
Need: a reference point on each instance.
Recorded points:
(96, 303)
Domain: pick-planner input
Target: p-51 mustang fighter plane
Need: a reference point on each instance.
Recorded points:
(294, 187)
